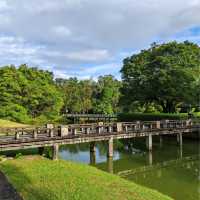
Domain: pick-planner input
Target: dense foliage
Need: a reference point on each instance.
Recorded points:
(28, 93)
(165, 76)
(88, 96)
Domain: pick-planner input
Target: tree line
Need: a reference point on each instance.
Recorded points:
(164, 78)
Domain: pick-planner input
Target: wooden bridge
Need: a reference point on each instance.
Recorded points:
(13, 139)
(92, 117)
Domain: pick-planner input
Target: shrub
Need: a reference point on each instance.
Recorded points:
(150, 116)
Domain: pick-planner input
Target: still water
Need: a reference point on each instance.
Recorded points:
(172, 170)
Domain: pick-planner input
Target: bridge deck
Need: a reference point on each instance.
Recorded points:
(12, 139)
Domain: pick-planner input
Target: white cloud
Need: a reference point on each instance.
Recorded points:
(14, 50)
(62, 31)
(3, 5)
(70, 34)
(89, 55)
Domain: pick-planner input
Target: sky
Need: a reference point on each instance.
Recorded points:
(89, 38)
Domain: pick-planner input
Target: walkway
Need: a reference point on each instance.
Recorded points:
(7, 192)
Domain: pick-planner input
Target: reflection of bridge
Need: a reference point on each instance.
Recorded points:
(12, 139)
(160, 165)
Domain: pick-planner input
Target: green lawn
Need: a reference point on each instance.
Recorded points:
(9, 124)
(38, 178)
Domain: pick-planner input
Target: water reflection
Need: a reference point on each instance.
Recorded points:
(110, 165)
(169, 168)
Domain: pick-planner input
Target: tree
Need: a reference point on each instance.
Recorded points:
(163, 74)
(77, 95)
(107, 95)
(28, 91)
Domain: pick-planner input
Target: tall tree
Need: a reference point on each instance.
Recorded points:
(77, 95)
(107, 95)
(28, 91)
(163, 74)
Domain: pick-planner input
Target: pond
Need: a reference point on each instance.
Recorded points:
(172, 170)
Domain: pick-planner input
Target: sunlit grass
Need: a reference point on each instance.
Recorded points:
(37, 178)
(10, 124)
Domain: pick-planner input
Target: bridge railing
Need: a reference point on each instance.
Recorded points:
(75, 130)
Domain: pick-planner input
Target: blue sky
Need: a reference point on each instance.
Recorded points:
(88, 38)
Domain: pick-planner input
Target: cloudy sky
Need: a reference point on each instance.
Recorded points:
(88, 38)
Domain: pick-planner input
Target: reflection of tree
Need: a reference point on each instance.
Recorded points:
(75, 148)
(102, 147)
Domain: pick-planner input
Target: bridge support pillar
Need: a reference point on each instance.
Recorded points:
(110, 147)
(149, 142)
(92, 158)
(55, 148)
(92, 147)
(92, 153)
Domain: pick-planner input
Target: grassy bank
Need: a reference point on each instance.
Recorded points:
(37, 178)
(9, 124)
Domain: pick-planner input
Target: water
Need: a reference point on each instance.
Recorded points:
(172, 170)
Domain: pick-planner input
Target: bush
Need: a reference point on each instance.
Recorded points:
(14, 112)
(150, 116)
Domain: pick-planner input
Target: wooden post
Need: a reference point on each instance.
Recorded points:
(35, 134)
(17, 136)
(88, 130)
(82, 130)
(51, 133)
(158, 124)
(49, 127)
(137, 125)
(109, 129)
(55, 149)
(119, 127)
(188, 123)
(64, 131)
(149, 142)
(126, 128)
(100, 129)
(74, 131)
(165, 123)
(110, 147)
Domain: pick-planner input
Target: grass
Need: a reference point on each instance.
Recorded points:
(37, 178)
(10, 124)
